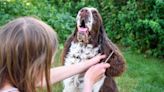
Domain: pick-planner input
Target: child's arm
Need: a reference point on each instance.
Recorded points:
(60, 73)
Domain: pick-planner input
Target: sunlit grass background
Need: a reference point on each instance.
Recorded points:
(142, 74)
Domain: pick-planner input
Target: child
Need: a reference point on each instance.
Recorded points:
(27, 47)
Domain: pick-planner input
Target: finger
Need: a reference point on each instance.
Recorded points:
(106, 65)
(101, 76)
(102, 56)
(103, 65)
(99, 56)
(103, 71)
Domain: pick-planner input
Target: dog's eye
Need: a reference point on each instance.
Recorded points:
(94, 13)
(82, 10)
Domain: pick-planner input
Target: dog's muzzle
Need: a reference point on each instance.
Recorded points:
(83, 30)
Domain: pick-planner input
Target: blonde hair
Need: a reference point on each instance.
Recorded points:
(27, 46)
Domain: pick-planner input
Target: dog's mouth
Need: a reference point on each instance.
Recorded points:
(83, 28)
(83, 32)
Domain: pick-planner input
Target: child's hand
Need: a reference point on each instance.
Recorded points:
(95, 60)
(93, 74)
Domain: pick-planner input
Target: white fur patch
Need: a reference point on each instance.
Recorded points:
(78, 52)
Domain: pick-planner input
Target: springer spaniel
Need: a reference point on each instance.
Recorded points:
(89, 39)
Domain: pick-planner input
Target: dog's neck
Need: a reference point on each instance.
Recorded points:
(94, 41)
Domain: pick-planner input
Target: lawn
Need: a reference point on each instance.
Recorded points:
(142, 74)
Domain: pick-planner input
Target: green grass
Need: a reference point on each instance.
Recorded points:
(142, 74)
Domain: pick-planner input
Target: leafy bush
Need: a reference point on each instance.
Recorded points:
(136, 24)
(61, 21)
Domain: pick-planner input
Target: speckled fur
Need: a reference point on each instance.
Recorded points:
(79, 52)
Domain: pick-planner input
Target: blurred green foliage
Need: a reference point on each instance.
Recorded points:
(137, 24)
(60, 20)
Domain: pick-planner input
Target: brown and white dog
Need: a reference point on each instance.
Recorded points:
(89, 39)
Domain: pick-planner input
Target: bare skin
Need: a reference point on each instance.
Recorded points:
(93, 74)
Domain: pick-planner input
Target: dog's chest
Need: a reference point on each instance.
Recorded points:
(79, 52)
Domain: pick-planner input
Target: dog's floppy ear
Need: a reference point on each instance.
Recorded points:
(103, 41)
(117, 62)
(100, 37)
(67, 45)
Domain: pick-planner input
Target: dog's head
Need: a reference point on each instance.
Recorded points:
(88, 26)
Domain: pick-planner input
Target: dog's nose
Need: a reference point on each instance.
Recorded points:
(84, 13)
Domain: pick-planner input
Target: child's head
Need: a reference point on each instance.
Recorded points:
(27, 46)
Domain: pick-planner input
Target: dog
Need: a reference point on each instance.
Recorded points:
(88, 40)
